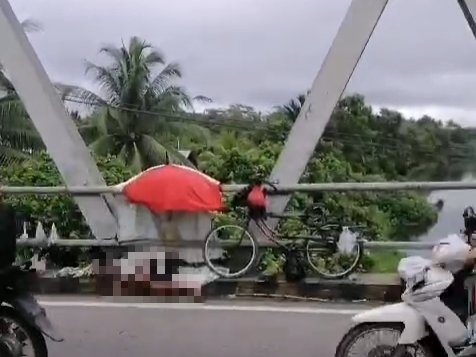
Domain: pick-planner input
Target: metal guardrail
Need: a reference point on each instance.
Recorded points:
(46, 242)
(398, 245)
(304, 187)
(40, 239)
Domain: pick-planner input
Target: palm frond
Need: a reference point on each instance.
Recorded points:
(165, 77)
(293, 108)
(136, 162)
(89, 132)
(155, 152)
(202, 99)
(105, 122)
(190, 130)
(141, 51)
(137, 45)
(23, 139)
(116, 54)
(11, 107)
(104, 145)
(82, 95)
(115, 122)
(147, 124)
(9, 156)
(153, 58)
(17, 132)
(108, 81)
(175, 97)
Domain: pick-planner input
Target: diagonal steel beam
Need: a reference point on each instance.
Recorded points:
(59, 133)
(469, 10)
(336, 70)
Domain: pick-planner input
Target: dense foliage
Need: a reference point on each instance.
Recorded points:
(357, 145)
(139, 115)
(61, 210)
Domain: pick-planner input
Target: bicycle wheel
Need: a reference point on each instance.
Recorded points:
(230, 251)
(326, 260)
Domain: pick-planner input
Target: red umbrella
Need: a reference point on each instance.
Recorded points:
(174, 188)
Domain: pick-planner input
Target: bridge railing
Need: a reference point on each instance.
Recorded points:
(41, 240)
(303, 187)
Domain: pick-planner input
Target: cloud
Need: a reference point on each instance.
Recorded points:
(262, 53)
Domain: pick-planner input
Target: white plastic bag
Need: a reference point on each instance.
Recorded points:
(347, 241)
(451, 252)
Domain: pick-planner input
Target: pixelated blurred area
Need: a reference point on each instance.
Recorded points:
(150, 273)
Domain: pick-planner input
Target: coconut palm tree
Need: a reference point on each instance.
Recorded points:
(292, 109)
(134, 104)
(18, 136)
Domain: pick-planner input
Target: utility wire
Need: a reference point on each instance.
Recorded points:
(203, 119)
(349, 138)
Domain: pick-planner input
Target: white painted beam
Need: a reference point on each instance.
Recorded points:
(56, 128)
(336, 70)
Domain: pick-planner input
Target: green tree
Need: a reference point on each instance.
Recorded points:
(136, 105)
(58, 209)
(61, 210)
(293, 108)
(357, 145)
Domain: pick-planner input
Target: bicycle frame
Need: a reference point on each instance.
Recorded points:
(289, 243)
(268, 232)
(273, 236)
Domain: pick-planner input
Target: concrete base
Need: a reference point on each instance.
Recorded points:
(366, 287)
(388, 290)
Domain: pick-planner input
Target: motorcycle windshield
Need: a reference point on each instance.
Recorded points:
(436, 281)
(28, 305)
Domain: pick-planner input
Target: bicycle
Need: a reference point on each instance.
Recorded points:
(326, 240)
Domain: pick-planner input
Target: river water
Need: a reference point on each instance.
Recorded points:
(450, 218)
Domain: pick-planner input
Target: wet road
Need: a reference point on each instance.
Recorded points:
(98, 328)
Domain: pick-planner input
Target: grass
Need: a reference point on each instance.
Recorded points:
(385, 261)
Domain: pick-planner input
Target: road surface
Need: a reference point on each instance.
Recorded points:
(95, 327)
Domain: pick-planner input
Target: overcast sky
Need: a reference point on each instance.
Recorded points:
(421, 58)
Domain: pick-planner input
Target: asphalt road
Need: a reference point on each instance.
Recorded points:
(264, 329)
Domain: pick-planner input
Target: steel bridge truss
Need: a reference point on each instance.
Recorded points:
(70, 154)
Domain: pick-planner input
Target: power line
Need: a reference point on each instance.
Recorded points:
(262, 126)
(172, 117)
(202, 119)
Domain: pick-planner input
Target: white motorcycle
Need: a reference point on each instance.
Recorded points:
(420, 325)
